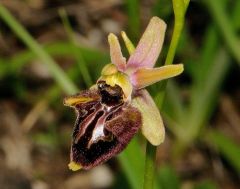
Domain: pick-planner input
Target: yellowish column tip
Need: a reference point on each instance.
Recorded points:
(74, 166)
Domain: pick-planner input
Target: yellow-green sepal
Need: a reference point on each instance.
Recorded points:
(152, 124)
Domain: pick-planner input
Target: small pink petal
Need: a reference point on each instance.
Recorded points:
(116, 53)
(149, 46)
(146, 76)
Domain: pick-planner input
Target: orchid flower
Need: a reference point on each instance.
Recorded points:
(111, 112)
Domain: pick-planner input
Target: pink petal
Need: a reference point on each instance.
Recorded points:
(115, 52)
(149, 46)
(146, 76)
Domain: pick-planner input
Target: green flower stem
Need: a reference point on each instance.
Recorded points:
(179, 7)
(174, 42)
(149, 172)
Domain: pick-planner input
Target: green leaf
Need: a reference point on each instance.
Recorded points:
(227, 147)
(77, 54)
(56, 49)
(168, 178)
(132, 161)
(206, 185)
(223, 22)
(60, 77)
(132, 7)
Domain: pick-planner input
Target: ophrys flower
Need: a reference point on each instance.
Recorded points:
(111, 112)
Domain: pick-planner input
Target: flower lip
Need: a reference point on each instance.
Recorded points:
(103, 127)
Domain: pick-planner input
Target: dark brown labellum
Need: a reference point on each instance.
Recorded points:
(104, 126)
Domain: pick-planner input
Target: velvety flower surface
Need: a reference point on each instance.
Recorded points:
(111, 112)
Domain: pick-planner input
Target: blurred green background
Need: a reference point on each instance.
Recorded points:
(201, 109)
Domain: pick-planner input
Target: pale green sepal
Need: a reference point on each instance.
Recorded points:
(152, 127)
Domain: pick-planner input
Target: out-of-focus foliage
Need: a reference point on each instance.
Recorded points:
(201, 110)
